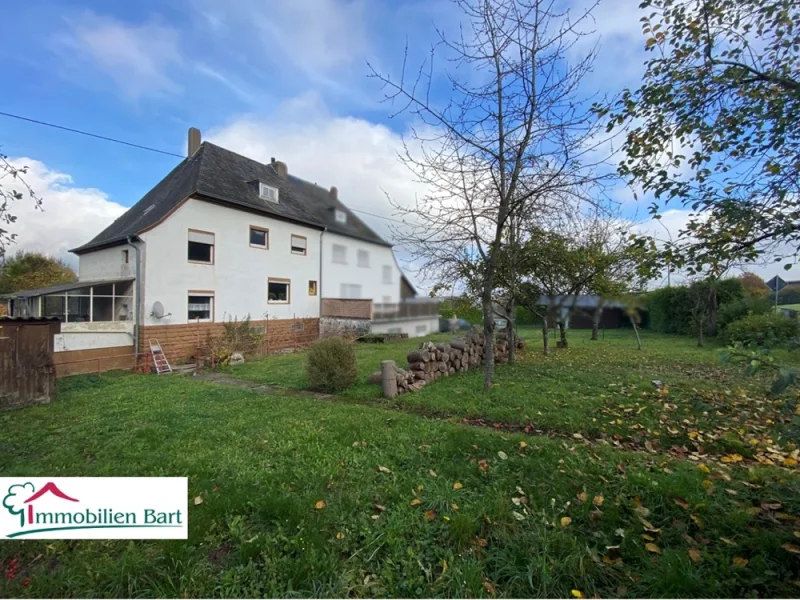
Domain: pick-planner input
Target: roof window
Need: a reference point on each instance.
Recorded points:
(341, 216)
(268, 193)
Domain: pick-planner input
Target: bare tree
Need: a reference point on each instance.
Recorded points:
(513, 132)
(12, 188)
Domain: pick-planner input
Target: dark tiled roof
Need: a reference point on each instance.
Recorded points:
(226, 177)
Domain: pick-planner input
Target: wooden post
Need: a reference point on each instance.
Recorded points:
(388, 379)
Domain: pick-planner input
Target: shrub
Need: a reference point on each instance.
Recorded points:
(331, 365)
(237, 336)
(767, 329)
(736, 309)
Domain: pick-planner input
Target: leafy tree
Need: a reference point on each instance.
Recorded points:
(721, 96)
(12, 179)
(31, 270)
(754, 286)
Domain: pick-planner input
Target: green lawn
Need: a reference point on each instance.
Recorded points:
(465, 511)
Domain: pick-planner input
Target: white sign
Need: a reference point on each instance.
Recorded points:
(94, 508)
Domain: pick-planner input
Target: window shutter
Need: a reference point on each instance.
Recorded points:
(202, 238)
(298, 242)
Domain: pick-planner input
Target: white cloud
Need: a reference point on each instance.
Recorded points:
(71, 215)
(137, 58)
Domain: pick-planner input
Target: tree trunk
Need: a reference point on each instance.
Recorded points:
(511, 321)
(545, 336)
(562, 329)
(488, 327)
(598, 316)
(636, 331)
(712, 312)
(700, 336)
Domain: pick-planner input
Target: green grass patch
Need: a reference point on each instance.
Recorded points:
(464, 511)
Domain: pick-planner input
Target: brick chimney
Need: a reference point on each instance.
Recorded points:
(195, 139)
(335, 192)
(280, 168)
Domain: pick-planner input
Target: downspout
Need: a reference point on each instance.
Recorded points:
(319, 288)
(138, 292)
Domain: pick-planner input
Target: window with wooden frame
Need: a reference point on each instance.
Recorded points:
(312, 288)
(201, 306)
(259, 237)
(201, 247)
(279, 291)
(299, 244)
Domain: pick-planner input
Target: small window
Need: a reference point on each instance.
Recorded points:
(387, 273)
(363, 258)
(351, 290)
(268, 193)
(278, 291)
(299, 244)
(395, 330)
(340, 254)
(422, 329)
(201, 307)
(341, 216)
(201, 247)
(125, 257)
(312, 288)
(259, 238)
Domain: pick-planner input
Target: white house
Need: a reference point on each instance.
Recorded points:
(223, 236)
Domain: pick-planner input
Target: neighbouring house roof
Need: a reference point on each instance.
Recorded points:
(219, 175)
(64, 287)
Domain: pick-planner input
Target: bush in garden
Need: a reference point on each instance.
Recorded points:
(331, 365)
(736, 309)
(767, 329)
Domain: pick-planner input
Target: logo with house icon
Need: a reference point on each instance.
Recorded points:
(21, 497)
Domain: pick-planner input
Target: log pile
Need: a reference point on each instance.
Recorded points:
(432, 361)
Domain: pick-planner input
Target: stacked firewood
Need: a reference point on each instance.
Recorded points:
(432, 361)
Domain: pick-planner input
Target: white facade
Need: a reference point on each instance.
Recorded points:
(90, 336)
(413, 327)
(107, 264)
(345, 274)
(239, 274)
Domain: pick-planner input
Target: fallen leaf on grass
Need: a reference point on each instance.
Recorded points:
(703, 468)
(577, 594)
(598, 500)
(483, 465)
(482, 542)
(697, 521)
(198, 500)
(454, 506)
(771, 505)
(502, 455)
(320, 504)
(416, 502)
(740, 562)
(583, 497)
(682, 503)
(432, 473)
(732, 458)
(694, 554)
(728, 541)
(340, 536)
(565, 521)
(430, 515)
(651, 547)
(380, 507)
(793, 548)
(458, 485)
(385, 470)
(489, 587)
(518, 516)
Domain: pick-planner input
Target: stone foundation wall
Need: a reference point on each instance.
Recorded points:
(344, 327)
(180, 342)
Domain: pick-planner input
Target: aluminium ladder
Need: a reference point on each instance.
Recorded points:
(159, 360)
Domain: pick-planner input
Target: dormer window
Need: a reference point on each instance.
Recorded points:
(267, 192)
(341, 216)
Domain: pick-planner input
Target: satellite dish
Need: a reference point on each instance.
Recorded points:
(158, 310)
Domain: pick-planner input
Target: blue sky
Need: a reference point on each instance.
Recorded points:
(262, 77)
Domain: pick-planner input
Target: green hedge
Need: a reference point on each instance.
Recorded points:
(767, 329)
(670, 309)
